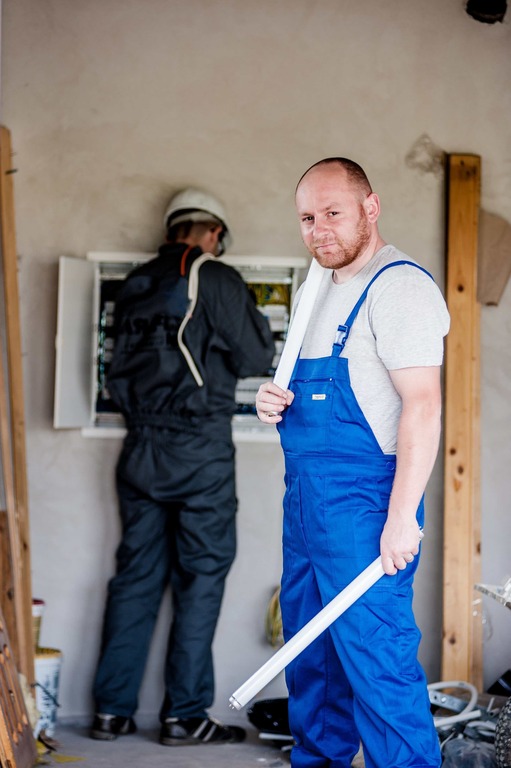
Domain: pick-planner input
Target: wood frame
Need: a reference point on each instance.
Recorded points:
(12, 427)
(17, 744)
(462, 626)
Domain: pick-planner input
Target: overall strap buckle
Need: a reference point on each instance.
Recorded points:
(341, 338)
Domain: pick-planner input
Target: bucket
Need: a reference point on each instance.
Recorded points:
(48, 662)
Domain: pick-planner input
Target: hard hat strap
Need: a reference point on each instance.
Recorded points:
(182, 269)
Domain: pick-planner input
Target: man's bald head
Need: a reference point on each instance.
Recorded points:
(355, 174)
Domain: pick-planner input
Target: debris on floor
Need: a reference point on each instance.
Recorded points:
(47, 752)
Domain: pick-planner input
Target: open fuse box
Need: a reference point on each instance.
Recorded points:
(84, 342)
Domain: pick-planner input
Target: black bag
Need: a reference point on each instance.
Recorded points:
(270, 717)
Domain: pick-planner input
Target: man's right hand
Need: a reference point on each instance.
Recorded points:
(271, 400)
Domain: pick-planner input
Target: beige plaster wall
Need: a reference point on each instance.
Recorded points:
(115, 104)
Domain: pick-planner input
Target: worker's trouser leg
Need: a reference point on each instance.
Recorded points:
(320, 698)
(372, 685)
(204, 544)
(134, 596)
(190, 542)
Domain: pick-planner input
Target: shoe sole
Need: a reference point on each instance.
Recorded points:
(236, 736)
(193, 742)
(102, 736)
(169, 741)
(180, 742)
(106, 736)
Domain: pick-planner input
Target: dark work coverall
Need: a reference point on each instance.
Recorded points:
(175, 474)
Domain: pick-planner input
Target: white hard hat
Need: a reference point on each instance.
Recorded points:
(195, 205)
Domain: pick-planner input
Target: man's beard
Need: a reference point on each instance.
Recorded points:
(346, 252)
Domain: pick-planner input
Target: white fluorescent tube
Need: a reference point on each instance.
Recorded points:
(307, 634)
(298, 326)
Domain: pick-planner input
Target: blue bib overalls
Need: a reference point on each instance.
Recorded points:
(360, 680)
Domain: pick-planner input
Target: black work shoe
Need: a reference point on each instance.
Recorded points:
(176, 732)
(109, 727)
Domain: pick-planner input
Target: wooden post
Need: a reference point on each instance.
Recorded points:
(6, 577)
(15, 463)
(17, 743)
(462, 626)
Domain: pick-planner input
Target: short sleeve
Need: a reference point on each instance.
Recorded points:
(409, 319)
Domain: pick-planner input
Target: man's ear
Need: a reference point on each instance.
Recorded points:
(210, 240)
(372, 207)
(215, 232)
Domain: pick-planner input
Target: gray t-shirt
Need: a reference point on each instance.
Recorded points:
(401, 324)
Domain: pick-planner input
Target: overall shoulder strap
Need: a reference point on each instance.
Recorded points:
(343, 331)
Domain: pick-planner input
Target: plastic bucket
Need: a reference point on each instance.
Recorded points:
(48, 662)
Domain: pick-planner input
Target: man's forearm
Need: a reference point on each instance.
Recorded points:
(417, 448)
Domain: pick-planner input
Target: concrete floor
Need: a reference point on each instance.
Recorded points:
(142, 750)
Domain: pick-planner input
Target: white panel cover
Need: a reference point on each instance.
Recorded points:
(73, 343)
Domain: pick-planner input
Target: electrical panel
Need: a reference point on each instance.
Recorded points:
(85, 341)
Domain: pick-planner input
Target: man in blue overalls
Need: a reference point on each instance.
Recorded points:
(360, 428)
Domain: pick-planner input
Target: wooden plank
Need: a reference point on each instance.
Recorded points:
(462, 629)
(21, 568)
(11, 545)
(6, 578)
(17, 743)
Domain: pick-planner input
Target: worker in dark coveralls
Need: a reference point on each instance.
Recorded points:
(186, 328)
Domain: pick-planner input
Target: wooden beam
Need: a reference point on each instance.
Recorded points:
(13, 598)
(18, 517)
(6, 579)
(17, 743)
(462, 626)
